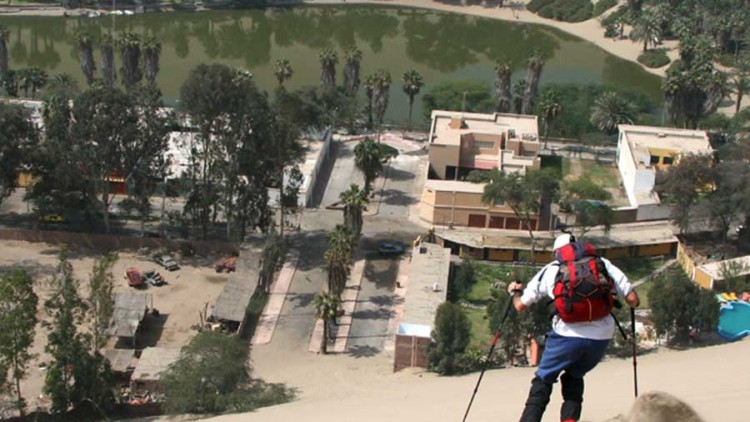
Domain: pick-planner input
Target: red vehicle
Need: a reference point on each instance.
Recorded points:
(134, 277)
(226, 264)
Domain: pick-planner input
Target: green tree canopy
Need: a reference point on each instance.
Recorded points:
(17, 138)
(469, 96)
(451, 337)
(18, 308)
(213, 375)
(679, 305)
(524, 194)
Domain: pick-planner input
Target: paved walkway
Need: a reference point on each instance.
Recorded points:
(348, 301)
(279, 288)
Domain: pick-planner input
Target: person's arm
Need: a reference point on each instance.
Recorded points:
(523, 298)
(622, 284)
(515, 289)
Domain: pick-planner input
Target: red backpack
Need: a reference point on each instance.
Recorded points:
(583, 290)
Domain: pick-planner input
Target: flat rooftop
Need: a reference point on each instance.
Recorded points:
(443, 132)
(620, 235)
(425, 270)
(713, 269)
(683, 140)
(454, 185)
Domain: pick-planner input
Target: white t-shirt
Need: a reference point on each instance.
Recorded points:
(601, 329)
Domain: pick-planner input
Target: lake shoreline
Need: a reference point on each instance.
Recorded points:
(589, 30)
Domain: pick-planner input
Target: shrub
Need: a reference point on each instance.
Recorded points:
(654, 58)
(614, 18)
(450, 339)
(679, 305)
(464, 280)
(562, 10)
(602, 6)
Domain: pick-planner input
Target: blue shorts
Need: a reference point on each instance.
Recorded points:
(574, 355)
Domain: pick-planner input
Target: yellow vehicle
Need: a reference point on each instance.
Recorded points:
(53, 218)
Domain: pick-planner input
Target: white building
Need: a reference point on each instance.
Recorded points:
(641, 151)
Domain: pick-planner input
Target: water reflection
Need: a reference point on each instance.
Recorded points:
(439, 45)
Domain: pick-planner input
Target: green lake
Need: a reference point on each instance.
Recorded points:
(441, 46)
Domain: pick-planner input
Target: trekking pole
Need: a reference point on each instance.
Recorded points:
(492, 349)
(635, 348)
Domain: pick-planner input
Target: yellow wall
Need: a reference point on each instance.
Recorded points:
(26, 179)
(474, 253)
(616, 252)
(661, 153)
(500, 255)
(652, 250)
(542, 256)
(686, 263)
(702, 279)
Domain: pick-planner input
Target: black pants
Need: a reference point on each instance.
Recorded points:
(539, 395)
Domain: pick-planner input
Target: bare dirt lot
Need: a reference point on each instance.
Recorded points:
(178, 302)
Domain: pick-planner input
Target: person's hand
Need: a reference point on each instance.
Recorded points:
(514, 286)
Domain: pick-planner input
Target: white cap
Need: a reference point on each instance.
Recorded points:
(562, 240)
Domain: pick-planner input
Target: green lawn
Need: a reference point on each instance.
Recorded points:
(637, 267)
(481, 337)
(601, 174)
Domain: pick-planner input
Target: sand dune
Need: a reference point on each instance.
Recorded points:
(714, 380)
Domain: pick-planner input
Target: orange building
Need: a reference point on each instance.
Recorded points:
(463, 142)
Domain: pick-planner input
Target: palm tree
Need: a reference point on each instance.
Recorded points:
(327, 308)
(108, 60)
(338, 258)
(381, 94)
(62, 85)
(4, 34)
(370, 82)
(412, 84)
(86, 57)
(37, 79)
(550, 109)
(283, 71)
(352, 58)
(328, 60)
(368, 159)
(648, 29)
(151, 53)
(610, 110)
(518, 91)
(503, 97)
(23, 76)
(741, 87)
(354, 201)
(533, 75)
(10, 82)
(130, 55)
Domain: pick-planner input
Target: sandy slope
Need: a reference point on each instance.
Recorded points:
(715, 380)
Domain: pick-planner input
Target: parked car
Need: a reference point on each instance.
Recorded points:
(388, 249)
(226, 264)
(134, 277)
(167, 262)
(153, 278)
(53, 219)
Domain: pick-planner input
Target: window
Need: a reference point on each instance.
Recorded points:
(668, 161)
(484, 144)
(654, 159)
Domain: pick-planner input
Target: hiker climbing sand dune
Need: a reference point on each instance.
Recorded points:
(583, 287)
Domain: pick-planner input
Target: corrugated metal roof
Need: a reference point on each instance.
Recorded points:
(233, 299)
(154, 361)
(130, 309)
